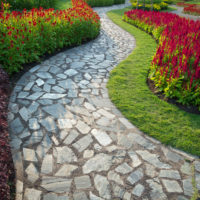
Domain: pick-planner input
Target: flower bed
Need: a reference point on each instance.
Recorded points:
(192, 9)
(25, 36)
(175, 67)
(5, 154)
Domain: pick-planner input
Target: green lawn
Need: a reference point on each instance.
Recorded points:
(63, 4)
(130, 93)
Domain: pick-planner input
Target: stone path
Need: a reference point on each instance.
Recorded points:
(179, 11)
(70, 142)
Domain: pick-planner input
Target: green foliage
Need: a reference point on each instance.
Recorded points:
(130, 93)
(29, 4)
(99, 3)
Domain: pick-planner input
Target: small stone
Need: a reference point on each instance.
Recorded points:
(67, 84)
(62, 76)
(124, 141)
(87, 76)
(70, 72)
(172, 186)
(71, 137)
(82, 182)
(47, 164)
(44, 75)
(56, 111)
(53, 96)
(57, 185)
(49, 124)
(124, 168)
(94, 197)
(22, 95)
(16, 126)
(186, 168)
(52, 196)
(47, 88)
(32, 173)
(29, 155)
(35, 96)
(171, 155)
(106, 114)
(83, 143)
(64, 123)
(101, 137)
(39, 82)
(36, 137)
(150, 170)
(101, 162)
(102, 185)
(127, 196)
(88, 153)
(33, 107)
(33, 124)
(138, 190)
(197, 165)
(28, 86)
(170, 174)
(64, 154)
(126, 123)
(83, 127)
(97, 147)
(58, 89)
(135, 176)
(54, 139)
(89, 106)
(152, 159)
(112, 176)
(66, 170)
(103, 121)
(118, 192)
(32, 194)
(80, 196)
(24, 113)
(135, 160)
(188, 187)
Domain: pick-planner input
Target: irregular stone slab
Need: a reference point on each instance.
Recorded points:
(44, 75)
(88, 153)
(77, 65)
(15, 143)
(94, 197)
(47, 164)
(101, 137)
(172, 186)
(138, 190)
(135, 176)
(150, 170)
(186, 168)
(136, 138)
(33, 107)
(29, 155)
(173, 174)
(16, 126)
(67, 84)
(53, 96)
(106, 114)
(80, 196)
(82, 182)
(71, 137)
(135, 160)
(103, 187)
(124, 168)
(49, 124)
(83, 143)
(28, 86)
(78, 110)
(36, 137)
(124, 141)
(32, 194)
(35, 96)
(89, 106)
(126, 123)
(66, 170)
(22, 95)
(127, 196)
(103, 121)
(56, 110)
(83, 127)
(70, 72)
(57, 185)
(52, 196)
(157, 191)
(197, 165)
(64, 123)
(39, 82)
(64, 154)
(58, 89)
(24, 113)
(118, 191)
(33, 124)
(188, 187)
(152, 159)
(101, 162)
(32, 173)
(171, 155)
(112, 176)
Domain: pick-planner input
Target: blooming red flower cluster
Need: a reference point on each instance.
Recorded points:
(176, 64)
(192, 9)
(26, 35)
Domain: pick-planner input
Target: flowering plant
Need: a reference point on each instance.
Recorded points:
(175, 68)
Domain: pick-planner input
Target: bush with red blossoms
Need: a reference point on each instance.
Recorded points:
(175, 67)
(6, 166)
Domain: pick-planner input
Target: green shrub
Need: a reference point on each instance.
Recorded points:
(99, 3)
(29, 4)
(156, 7)
(119, 1)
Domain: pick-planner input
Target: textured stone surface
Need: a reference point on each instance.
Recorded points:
(70, 142)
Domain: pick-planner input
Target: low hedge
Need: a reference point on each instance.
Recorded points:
(99, 3)
(175, 67)
(27, 35)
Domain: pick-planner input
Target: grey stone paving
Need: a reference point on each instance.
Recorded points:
(70, 142)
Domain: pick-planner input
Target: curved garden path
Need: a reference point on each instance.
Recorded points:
(70, 142)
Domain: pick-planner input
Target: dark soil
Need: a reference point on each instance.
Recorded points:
(190, 109)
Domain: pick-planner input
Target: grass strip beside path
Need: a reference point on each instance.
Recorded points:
(130, 93)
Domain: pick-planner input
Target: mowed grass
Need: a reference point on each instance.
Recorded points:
(130, 93)
(63, 4)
